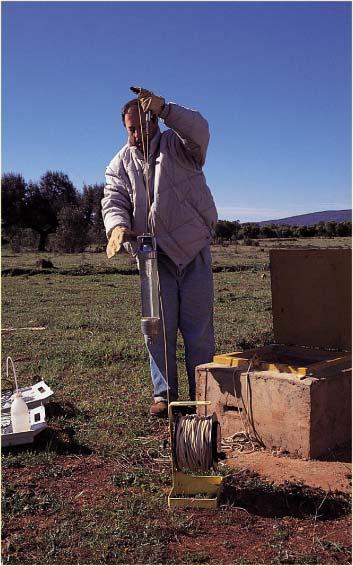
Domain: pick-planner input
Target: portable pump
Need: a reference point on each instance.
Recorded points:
(147, 258)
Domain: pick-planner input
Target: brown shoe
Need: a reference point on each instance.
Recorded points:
(159, 409)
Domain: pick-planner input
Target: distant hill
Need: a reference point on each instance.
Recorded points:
(312, 218)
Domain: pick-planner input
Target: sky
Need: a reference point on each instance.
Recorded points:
(273, 79)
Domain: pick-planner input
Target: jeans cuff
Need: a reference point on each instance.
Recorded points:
(158, 399)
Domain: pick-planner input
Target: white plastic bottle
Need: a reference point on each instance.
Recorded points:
(19, 414)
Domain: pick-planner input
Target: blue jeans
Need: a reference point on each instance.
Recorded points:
(187, 300)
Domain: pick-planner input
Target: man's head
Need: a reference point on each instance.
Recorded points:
(131, 119)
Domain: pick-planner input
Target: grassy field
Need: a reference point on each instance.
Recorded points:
(92, 489)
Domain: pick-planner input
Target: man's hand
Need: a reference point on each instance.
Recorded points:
(149, 101)
(119, 235)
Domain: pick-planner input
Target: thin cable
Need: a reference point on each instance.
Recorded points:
(143, 140)
(146, 166)
(245, 425)
(239, 439)
(193, 442)
(164, 339)
(9, 359)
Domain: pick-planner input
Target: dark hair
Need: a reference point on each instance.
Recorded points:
(129, 104)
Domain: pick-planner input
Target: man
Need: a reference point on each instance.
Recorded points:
(165, 193)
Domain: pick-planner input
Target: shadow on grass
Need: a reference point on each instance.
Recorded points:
(240, 267)
(91, 270)
(58, 437)
(76, 271)
(249, 491)
(61, 441)
(65, 409)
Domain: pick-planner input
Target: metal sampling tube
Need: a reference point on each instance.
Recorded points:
(147, 258)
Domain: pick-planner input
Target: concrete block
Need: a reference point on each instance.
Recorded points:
(306, 417)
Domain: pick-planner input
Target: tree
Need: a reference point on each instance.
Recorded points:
(39, 214)
(72, 232)
(284, 231)
(90, 202)
(13, 198)
(306, 231)
(344, 229)
(224, 229)
(44, 202)
(268, 231)
(321, 229)
(227, 229)
(331, 227)
(236, 229)
(57, 187)
(250, 230)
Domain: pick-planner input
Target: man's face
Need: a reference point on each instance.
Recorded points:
(133, 126)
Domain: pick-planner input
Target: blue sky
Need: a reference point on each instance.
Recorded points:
(273, 80)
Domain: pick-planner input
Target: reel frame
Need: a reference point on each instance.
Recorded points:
(188, 490)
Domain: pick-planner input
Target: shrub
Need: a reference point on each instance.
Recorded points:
(72, 233)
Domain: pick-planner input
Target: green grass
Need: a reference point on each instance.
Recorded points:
(26, 501)
(92, 355)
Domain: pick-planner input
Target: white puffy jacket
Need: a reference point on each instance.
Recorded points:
(183, 211)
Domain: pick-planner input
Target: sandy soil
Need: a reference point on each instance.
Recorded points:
(327, 475)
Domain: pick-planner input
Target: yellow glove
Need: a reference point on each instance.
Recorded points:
(150, 102)
(119, 235)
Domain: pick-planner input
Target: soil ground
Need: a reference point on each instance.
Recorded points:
(333, 475)
(261, 524)
(274, 510)
(93, 487)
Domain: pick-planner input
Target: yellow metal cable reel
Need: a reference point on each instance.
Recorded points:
(200, 491)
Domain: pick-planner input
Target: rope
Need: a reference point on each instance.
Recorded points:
(146, 162)
(244, 438)
(193, 442)
(239, 442)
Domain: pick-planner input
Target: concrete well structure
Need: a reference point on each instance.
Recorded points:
(294, 395)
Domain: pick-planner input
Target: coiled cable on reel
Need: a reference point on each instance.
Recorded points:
(195, 442)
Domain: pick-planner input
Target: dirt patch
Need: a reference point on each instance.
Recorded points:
(239, 538)
(83, 480)
(266, 523)
(327, 475)
(42, 498)
(257, 522)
